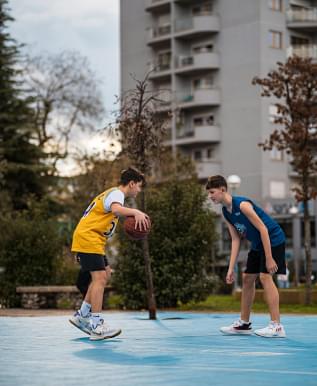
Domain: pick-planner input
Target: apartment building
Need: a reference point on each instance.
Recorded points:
(205, 54)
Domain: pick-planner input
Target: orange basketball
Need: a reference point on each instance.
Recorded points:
(135, 234)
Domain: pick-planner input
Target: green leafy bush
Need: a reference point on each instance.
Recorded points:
(181, 241)
(29, 244)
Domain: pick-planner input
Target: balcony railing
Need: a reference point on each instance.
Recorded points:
(160, 31)
(199, 97)
(202, 134)
(303, 51)
(201, 60)
(204, 22)
(159, 67)
(188, 23)
(302, 15)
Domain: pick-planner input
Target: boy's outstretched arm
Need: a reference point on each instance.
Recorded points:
(247, 209)
(235, 247)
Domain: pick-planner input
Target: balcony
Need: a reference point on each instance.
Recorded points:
(206, 168)
(160, 71)
(197, 62)
(199, 135)
(305, 18)
(164, 103)
(303, 51)
(159, 34)
(199, 98)
(196, 26)
(158, 5)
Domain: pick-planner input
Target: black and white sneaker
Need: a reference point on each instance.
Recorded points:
(237, 328)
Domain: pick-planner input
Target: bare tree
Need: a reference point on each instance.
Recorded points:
(143, 131)
(66, 99)
(294, 83)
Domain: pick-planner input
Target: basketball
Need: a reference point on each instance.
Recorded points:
(135, 234)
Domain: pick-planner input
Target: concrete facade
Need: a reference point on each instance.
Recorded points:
(206, 52)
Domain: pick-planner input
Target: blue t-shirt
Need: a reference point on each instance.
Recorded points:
(247, 230)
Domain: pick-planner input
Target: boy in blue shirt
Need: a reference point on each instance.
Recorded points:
(266, 256)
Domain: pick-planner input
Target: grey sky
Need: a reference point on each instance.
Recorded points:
(88, 26)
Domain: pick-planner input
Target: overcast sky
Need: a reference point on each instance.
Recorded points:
(88, 26)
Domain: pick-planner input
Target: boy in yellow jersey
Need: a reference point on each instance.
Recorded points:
(97, 224)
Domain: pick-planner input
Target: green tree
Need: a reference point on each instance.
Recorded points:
(143, 132)
(20, 158)
(294, 84)
(182, 237)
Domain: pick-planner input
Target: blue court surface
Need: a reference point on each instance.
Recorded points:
(178, 349)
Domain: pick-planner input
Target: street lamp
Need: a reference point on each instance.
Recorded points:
(234, 182)
(296, 240)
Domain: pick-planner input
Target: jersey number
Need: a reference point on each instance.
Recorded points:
(111, 230)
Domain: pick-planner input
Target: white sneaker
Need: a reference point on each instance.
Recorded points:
(273, 330)
(102, 331)
(81, 322)
(237, 328)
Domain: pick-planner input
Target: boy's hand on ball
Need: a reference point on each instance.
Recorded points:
(141, 221)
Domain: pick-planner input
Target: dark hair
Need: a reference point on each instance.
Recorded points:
(131, 174)
(216, 182)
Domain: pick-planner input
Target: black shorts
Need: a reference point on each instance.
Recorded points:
(256, 260)
(92, 261)
(89, 262)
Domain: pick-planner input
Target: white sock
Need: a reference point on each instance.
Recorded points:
(95, 319)
(244, 322)
(85, 309)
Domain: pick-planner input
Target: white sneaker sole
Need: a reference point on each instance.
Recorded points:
(269, 336)
(103, 337)
(246, 332)
(85, 330)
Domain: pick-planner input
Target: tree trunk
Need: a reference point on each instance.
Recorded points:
(148, 270)
(308, 254)
(149, 280)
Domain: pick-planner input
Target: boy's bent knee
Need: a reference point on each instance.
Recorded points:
(99, 276)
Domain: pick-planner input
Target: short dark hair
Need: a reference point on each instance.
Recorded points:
(216, 182)
(131, 174)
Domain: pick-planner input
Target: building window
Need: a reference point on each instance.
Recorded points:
(275, 39)
(163, 61)
(205, 120)
(202, 9)
(275, 5)
(203, 83)
(299, 41)
(209, 153)
(202, 48)
(277, 189)
(273, 114)
(197, 155)
(210, 120)
(198, 121)
(276, 155)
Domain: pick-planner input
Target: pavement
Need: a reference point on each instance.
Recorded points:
(177, 349)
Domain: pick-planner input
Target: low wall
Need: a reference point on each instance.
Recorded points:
(287, 296)
(63, 297)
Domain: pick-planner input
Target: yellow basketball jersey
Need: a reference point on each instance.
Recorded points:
(95, 227)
